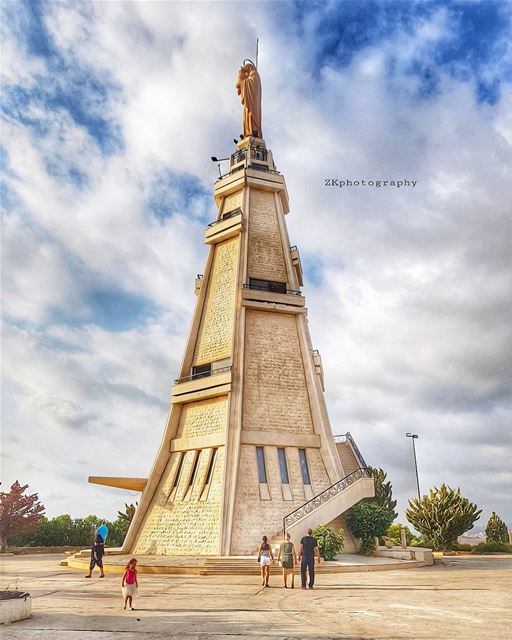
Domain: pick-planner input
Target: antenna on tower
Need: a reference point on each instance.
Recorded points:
(257, 40)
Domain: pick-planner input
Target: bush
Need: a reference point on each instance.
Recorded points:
(330, 540)
(462, 547)
(367, 520)
(442, 516)
(492, 547)
(64, 531)
(422, 542)
(496, 530)
(393, 534)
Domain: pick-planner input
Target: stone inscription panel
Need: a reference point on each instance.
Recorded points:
(275, 394)
(266, 259)
(185, 527)
(216, 331)
(233, 201)
(203, 418)
(255, 517)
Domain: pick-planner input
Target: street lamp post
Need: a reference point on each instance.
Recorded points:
(413, 437)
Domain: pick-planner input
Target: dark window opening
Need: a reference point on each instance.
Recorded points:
(304, 466)
(194, 470)
(209, 473)
(267, 285)
(258, 167)
(282, 466)
(178, 472)
(262, 471)
(231, 214)
(202, 371)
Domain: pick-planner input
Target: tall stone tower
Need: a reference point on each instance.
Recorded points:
(247, 441)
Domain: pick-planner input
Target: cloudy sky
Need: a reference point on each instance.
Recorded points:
(111, 113)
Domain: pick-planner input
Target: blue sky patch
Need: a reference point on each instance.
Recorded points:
(172, 193)
(118, 310)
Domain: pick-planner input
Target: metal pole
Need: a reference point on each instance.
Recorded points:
(413, 437)
(416, 468)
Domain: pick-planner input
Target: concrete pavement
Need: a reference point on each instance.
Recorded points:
(466, 597)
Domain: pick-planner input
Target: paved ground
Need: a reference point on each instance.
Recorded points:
(467, 597)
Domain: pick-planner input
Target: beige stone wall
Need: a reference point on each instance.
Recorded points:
(203, 417)
(255, 517)
(233, 201)
(216, 329)
(266, 259)
(275, 395)
(184, 526)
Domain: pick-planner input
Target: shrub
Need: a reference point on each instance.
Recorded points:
(330, 540)
(442, 516)
(383, 491)
(462, 547)
(393, 534)
(492, 547)
(496, 530)
(367, 520)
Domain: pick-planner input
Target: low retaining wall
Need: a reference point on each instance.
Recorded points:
(408, 553)
(15, 609)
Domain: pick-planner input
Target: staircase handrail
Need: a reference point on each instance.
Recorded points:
(324, 496)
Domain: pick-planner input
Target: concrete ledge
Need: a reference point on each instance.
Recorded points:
(236, 565)
(420, 554)
(199, 442)
(15, 609)
(276, 439)
(270, 296)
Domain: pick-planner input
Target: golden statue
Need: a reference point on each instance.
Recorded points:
(248, 86)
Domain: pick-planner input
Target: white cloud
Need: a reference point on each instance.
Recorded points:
(413, 287)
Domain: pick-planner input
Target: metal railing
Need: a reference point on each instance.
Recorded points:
(226, 216)
(260, 287)
(347, 437)
(323, 497)
(202, 374)
(256, 153)
(249, 166)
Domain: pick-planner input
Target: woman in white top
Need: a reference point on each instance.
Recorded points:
(265, 556)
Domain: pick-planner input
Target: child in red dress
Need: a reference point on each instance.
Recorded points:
(130, 584)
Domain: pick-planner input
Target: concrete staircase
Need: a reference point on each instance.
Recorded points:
(328, 505)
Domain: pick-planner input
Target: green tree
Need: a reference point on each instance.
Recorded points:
(19, 513)
(366, 520)
(330, 540)
(383, 491)
(117, 532)
(496, 530)
(442, 516)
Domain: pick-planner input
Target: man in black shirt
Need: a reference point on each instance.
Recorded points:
(307, 551)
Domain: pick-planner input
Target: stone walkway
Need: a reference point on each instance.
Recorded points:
(465, 598)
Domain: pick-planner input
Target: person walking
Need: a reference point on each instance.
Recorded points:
(97, 553)
(288, 559)
(307, 551)
(265, 556)
(130, 583)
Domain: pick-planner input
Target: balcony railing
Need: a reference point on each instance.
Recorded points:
(226, 216)
(347, 437)
(256, 153)
(259, 287)
(202, 374)
(323, 497)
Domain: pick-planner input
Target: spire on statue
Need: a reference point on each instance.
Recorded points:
(248, 87)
